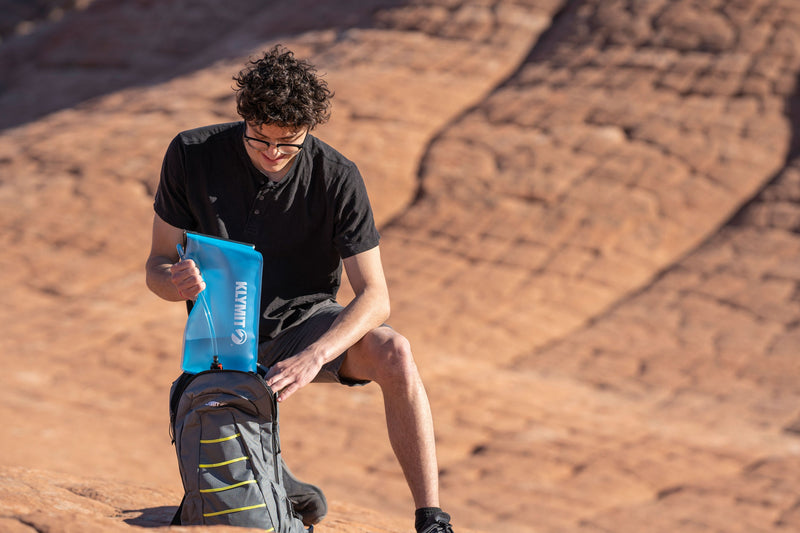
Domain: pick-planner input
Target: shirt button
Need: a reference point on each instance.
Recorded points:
(257, 211)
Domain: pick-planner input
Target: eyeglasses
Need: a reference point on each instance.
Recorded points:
(263, 146)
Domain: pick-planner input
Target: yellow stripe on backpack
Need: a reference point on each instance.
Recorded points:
(223, 439)
(223, 463)
(228, 511)
(228, 487)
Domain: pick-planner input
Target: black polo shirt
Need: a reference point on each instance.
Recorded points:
(303, 225)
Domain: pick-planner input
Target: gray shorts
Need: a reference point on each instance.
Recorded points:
(300, 336)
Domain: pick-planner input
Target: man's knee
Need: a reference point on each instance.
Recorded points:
(389, 355)
(396, 352)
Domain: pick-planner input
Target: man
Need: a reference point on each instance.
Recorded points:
(267, 181)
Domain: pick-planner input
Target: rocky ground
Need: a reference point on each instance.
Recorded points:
(590, 221)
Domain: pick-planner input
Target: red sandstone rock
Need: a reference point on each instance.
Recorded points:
(589, 228)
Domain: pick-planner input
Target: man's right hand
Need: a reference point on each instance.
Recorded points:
(187, 279)
(167, 275)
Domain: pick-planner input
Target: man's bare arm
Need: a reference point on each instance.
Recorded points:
(368, 310)
(167, 276)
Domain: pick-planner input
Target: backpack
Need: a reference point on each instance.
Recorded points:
(225, 431)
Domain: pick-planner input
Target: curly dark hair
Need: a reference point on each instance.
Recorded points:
(282, 90)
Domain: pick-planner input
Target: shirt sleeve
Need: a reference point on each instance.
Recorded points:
(354, 225)
(171, 201)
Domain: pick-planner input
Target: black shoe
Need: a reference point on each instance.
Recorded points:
(307, 500)
(438, 523)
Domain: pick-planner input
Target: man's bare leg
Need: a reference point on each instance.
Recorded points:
(384, 356)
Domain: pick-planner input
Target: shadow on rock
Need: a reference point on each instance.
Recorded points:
(151, 516)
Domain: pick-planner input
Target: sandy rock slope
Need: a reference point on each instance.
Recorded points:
(589, 213)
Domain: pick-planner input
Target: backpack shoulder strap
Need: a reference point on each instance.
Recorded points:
(175, 393)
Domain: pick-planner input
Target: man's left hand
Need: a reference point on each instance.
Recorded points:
(290, 375)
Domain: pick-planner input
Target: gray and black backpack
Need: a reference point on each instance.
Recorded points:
(225, 430)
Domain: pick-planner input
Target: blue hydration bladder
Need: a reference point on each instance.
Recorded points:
(223, 321)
